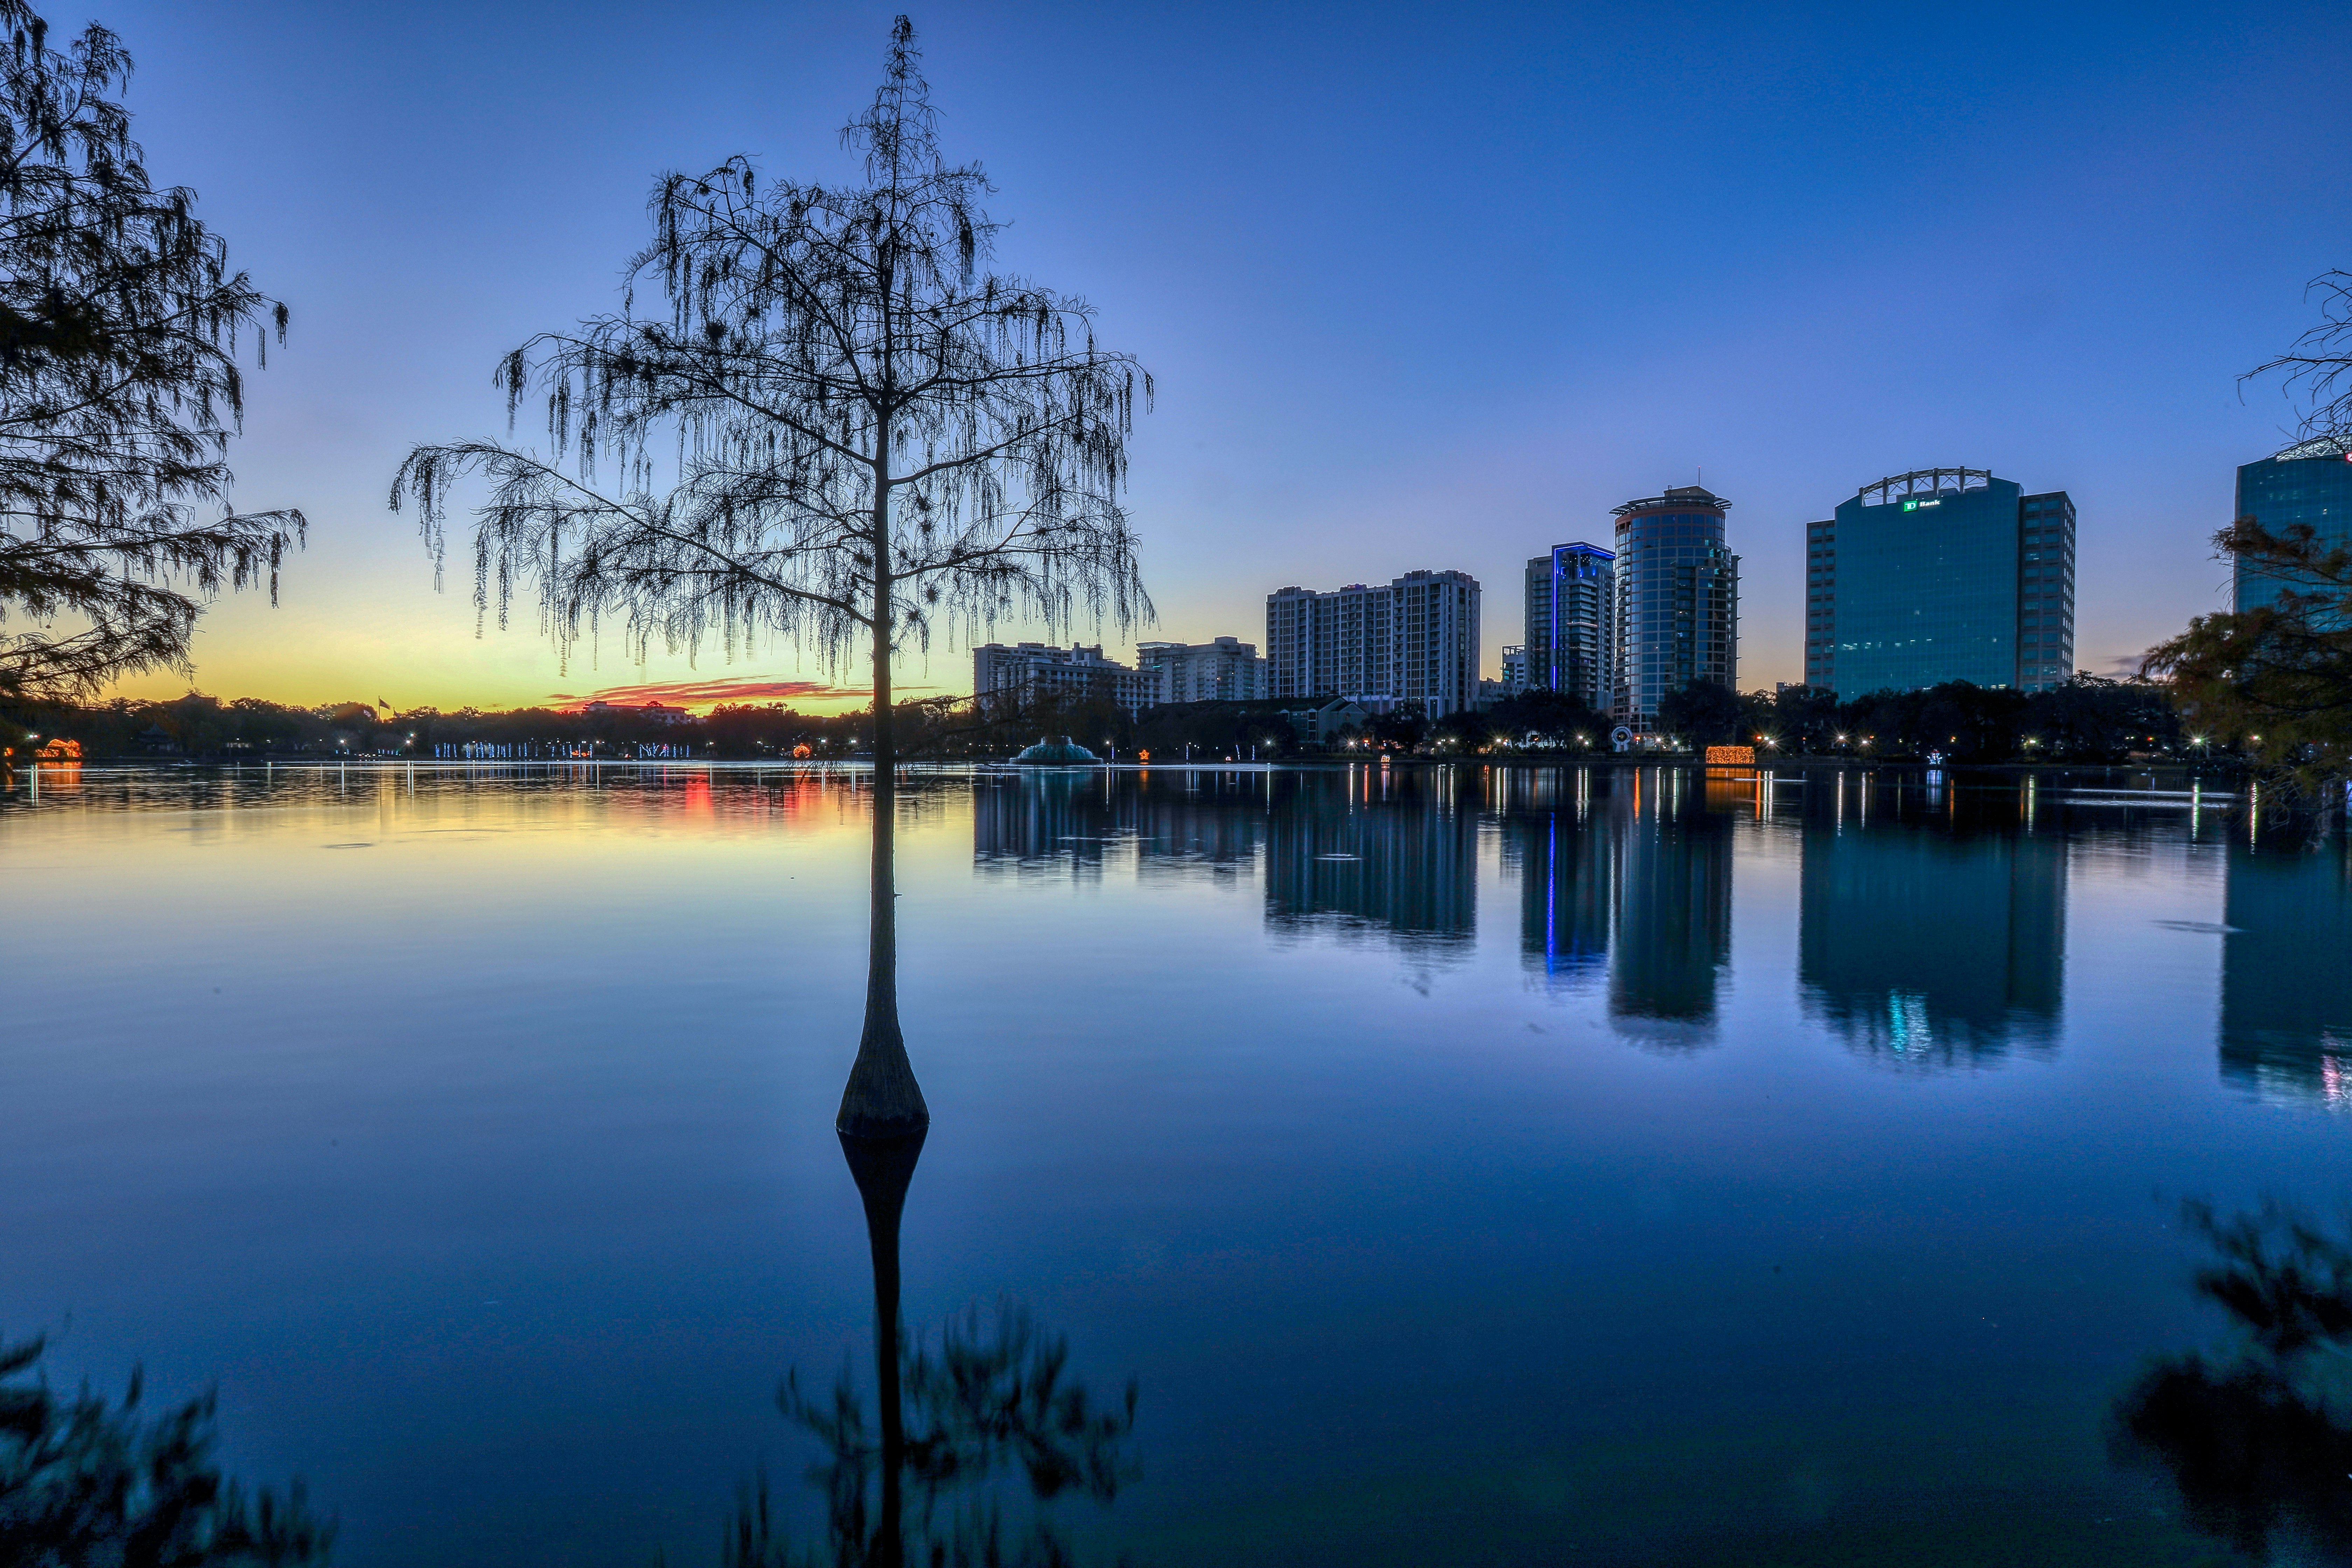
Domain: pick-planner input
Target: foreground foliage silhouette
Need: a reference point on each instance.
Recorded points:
(992, 1402)
(2259, 1442)
(84, 1484)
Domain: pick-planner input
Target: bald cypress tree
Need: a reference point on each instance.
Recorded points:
(830, 424)
(834, 427)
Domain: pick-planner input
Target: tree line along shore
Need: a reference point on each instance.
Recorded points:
(2090, 719)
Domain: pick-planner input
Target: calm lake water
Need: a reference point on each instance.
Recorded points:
(1507, 1166)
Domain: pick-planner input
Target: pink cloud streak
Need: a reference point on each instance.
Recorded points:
(708, 693)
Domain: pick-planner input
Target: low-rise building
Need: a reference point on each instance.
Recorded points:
(1515, 672)
(1319, 726)
(652, 712)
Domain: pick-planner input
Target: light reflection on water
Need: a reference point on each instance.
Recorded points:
(1471, 1165)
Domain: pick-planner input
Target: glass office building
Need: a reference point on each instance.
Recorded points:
(1677, 601)
(1941, 574)
(2308, 483)
(1570, 603)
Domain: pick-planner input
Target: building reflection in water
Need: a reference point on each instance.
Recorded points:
(1930, 939)
(1055, 817)
(1368, 849)
(1673, 909)
(1353, 851)
(1626, 874)
(2286, 986)
(1212, 823)
(1566, 862)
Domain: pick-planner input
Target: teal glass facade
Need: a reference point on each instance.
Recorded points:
(1936, 575)
(2308, 484)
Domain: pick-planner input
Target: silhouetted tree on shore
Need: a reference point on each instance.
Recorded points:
(2276, 677)
(1705, 713)
(121, 328)
(1546, 718)
(836, 429)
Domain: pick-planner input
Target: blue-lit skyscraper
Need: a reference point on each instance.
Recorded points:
(1941, 574)
(1677, 601)
(2309, 483)
(1570, 603)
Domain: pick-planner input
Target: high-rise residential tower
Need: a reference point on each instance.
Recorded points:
(1941, 574)
(1677, 601)
(2309, 483)
(1411, 640)
(1571, 608)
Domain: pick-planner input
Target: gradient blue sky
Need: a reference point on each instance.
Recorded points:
(1421, 286)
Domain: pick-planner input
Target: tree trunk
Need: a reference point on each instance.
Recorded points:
(882, 1098)
(883, 1118)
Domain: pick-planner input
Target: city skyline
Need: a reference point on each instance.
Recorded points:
(379, 197)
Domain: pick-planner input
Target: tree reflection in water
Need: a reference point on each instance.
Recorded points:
(2260, 1443)
(992, 1398)
(989, 1404)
